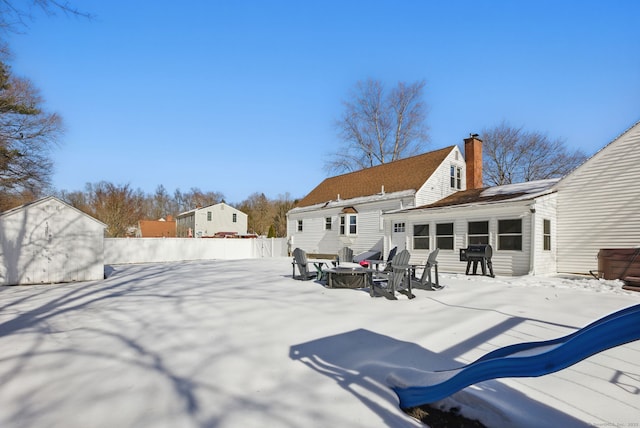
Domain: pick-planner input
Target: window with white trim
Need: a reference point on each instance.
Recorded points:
(478, 232)
(420, 236)
(327, 223)
(235, 218)
(398, 227)
(456, 177)
(510, 235)
(299, 225)
(349, 224)
(546, 234)
(444, 236)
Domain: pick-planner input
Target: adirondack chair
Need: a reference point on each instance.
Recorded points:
(387, 263)
(300, 260)
(386, 283)
(390, 257)
(425, 282)
(345, 255)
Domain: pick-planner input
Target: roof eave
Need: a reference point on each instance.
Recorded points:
(354, 201)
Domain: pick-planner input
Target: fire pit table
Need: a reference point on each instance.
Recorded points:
(348, 275)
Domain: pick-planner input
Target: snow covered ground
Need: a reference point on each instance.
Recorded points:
(241, 344)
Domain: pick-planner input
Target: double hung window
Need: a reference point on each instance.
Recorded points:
(444, 236)
(478, 232)
(547, 234)
(420, 236)
(510, 235)
(349, 224)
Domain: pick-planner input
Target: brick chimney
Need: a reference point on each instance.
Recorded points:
(473, 157)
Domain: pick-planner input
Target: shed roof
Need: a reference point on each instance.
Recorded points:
(404, 174)
(43, 201)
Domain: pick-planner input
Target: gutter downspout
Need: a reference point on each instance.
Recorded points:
(532, 249)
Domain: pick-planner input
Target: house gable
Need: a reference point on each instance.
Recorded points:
(598, 204)
(51, 201)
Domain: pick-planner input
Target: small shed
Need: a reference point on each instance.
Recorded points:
(49, 241)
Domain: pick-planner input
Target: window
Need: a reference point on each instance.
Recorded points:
(444, 236)
(420, 236)
(235, 218)
(208, 215)
(398, 227)
(456, 177)
(348, 224)
(510, 235)
(547, 234)
(327, 223)
(299, 225)
(478, 232)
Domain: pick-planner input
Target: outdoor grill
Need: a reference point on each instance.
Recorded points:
(478, 253)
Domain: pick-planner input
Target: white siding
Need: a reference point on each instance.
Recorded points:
(315, 239)
(599, 205)
(545, 261)
(504, 262)
(221, 221)
(371, 235)
(48, 242)
(438, 186)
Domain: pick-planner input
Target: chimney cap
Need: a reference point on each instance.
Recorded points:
(473, 135)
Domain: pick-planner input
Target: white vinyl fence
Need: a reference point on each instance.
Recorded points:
(155, 250)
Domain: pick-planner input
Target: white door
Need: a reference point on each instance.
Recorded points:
(399, 235)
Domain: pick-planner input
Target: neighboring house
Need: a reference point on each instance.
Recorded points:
(49, 241)
(517, 220)
(599, 204)
(347, 210)
(163, 228)
(209, 221)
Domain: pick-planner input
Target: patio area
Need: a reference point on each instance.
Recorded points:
(240, 344)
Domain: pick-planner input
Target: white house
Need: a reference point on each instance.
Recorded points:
(549, 226)
(347, 210)
(517, 220)
(208, 221)
(49, 241)
(599, 204)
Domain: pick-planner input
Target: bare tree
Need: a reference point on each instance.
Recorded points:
(16, 14)
(27, 136)
(379, 126)
(513, 155)
(195, 198)
(259, 211)
(160, 204)
(281, 206)
(119, 207)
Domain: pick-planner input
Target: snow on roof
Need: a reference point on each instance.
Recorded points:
(528, 187)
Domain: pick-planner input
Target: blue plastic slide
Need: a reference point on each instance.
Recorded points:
(530, 359)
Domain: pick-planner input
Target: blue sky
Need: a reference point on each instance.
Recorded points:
(240, 97)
